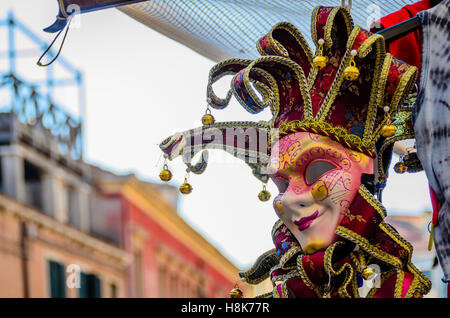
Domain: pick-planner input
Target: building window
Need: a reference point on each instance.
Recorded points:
(162, 274)
(185, 289)
(73, 207)
(200, 291)
(57, 280)
(174, 285)
(90, 286)
(138, 272)
(113, 290)
(33, 185)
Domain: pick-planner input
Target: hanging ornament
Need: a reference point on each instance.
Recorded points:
(165, 174)
(367, 272)
(388, 129)
(236, 292)
(320, 61)
(264, 195)
(186, 188)
(208, 119)
(400, 167)
(351, 72)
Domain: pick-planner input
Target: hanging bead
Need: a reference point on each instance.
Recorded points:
(236, 292)
(351, 72)
(367, 272)
(400, 167)
(208, 119)
(388, 129)
(165, 174)
(264, 195)
(320, 61)
(186, 188)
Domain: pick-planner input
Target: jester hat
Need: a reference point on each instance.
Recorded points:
(302, 97)
(324, 101)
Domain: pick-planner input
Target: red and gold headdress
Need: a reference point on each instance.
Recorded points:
(349, 91)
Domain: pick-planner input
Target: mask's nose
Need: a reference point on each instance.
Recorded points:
(290, 204)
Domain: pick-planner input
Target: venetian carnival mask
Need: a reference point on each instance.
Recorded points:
(335, 116)
(317, 179)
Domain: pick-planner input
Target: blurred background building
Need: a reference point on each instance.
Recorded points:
(71, 229)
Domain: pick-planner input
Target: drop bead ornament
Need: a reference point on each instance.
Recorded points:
(400, 167)
(388, 129)
(320, 61)
(236, 292)
(208, 119)
(367, 272)
(264, 195)
(165, 175)
(351, 73)
(186, 188)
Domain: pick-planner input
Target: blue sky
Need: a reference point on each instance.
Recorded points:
(141, 87)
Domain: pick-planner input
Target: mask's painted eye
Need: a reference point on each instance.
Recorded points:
(282, 184)
(317, 169)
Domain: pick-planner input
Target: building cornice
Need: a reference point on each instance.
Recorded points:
(154, 205)
(29, 214)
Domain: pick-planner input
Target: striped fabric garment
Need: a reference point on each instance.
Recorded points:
(432, 119)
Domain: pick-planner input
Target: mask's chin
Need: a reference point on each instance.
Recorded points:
(312, 239)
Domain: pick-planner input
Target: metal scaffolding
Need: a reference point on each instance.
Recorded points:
(32, 101)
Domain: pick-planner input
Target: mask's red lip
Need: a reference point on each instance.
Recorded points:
(305, 222)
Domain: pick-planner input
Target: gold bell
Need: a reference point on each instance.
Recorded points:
(165, 174)
(236, 292)
(388, 130)
(185, 188)
(208, 119)
(320, 61)
(367, 272)
(400, 167)
(351, 72)
(264, 195)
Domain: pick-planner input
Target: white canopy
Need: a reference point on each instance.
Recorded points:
(221, 29)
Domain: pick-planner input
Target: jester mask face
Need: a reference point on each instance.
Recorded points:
(317, 179)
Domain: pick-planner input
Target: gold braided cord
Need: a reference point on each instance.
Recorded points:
(384, 277)
(412, 288)
(276, 226)
(279, 49)
(288, 255)
(330, 22)
(372, 201)
(399, 283)
(210, 92)
(328, 266)
(305, 277)
(268, 94)
(403, 89)
(314, 25)
(339, 78)
(369, 248)
(389, 230)
(374, 42)
(336, 133)
(293, 66)
(379, 99)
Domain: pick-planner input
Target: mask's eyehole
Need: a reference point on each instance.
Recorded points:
(317, 169)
